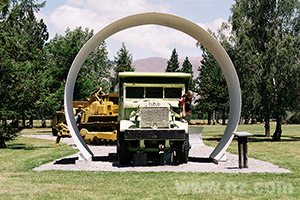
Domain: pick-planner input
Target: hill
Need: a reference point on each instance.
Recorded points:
(157, 64)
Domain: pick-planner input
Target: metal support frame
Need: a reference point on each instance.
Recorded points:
(243, 148)
(173, 22)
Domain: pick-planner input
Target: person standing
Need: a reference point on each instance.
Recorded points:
(186, 103)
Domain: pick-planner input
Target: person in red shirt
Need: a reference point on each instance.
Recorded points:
(186, 103)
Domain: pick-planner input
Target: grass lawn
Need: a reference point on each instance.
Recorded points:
(18, 181)
(37, 131)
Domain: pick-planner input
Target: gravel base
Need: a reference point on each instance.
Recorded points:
(105, 160)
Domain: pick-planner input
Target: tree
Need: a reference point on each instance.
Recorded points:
(123, 63)
(173, 63)
(22, 38)
(187, 67)
(211, 86)
(61, 51)
(95, 73)
(265, 32)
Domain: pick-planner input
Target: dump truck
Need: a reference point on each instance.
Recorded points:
(96, 119)
(152, 130)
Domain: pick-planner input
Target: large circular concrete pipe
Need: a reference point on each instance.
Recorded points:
(179, 24)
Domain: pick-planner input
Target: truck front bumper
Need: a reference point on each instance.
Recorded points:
(155, 134)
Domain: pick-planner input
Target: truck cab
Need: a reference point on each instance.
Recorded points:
(151, 129)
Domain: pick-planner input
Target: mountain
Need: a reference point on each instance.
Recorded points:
(157, 64)
(154, 64)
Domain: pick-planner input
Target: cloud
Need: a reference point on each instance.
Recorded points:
(160, 40)
(72, 17)
(75, 2)
(120, 8)
(96, 14)
(214, 26)
(40, 15)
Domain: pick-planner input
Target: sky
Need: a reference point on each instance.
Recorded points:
(143, 41)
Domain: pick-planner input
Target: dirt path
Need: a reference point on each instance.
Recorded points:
(105, 160)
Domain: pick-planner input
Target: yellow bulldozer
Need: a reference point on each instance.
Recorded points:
(97, 119)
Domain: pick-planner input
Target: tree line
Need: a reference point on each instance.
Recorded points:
(263, 44)
(33, 70)
(265, 50)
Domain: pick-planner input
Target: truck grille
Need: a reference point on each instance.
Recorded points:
(151, 116)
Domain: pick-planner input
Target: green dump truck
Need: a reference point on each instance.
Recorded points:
(151, 129)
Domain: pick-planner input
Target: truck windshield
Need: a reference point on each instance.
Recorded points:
(173, 93)
(153, 92)
(135, 92)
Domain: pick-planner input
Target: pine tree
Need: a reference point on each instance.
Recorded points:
(187, 67)
(123, 62)
(211, 86)
(173, 63)
(22, 38)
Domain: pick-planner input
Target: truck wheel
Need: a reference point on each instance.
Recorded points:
(185, 151)
(122, 152)
(54, 132)
(182, 153)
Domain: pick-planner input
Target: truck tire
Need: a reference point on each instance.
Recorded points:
(182, 153)
(123, 153)
(185, 151)
(54, 132)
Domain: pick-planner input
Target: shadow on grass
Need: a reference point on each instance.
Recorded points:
(200, 160)
(269, 139)
(18, 146)
(112, 157)
(45, 131)
(258, 138)
(66, 161)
